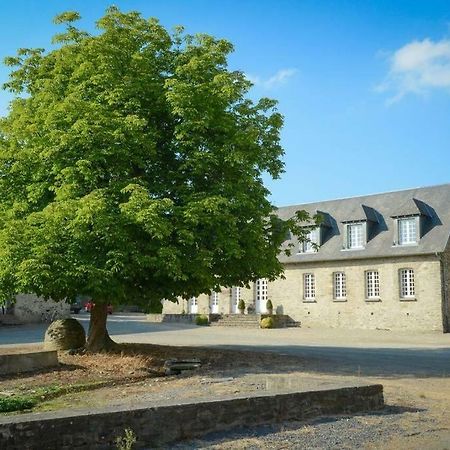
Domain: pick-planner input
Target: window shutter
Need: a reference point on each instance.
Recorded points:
(395, 240)
(345, 237)
(365, 233)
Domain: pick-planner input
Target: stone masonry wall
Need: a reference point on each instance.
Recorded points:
(159, 425)
(30, 308)
(424, 312)
(445, 269)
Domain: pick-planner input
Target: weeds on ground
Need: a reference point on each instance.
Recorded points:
(127, 441)
(31, 399)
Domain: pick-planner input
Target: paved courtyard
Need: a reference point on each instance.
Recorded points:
(413, 367)
(362, 352)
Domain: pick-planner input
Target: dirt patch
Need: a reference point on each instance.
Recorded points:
(136, 373)
(416, 416)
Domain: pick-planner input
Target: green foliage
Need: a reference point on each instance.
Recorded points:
(202, 320)
(269, 305)
(131, 166)
(154, 307)
(39, 395)
(241, 305)
(127, 441)
(8, 404)
(267, 322)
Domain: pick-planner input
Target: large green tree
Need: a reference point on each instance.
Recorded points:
(131, 165)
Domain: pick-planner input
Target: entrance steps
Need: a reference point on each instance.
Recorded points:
(252, 321)
(238, 320)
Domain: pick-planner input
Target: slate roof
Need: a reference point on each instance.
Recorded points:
(432, 203)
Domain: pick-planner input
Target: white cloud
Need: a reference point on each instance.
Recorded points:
(275, 80)
(418, 67)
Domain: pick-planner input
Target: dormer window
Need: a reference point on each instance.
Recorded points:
(312, 241)
(411, 221)
(355, 236)
(360, 227)
(407, 230)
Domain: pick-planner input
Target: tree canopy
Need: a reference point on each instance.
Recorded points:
(131, 167)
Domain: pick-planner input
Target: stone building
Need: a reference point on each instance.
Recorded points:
(28, 308)
(378, 261)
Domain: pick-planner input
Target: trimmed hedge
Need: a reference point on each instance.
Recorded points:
(202, 320)
(267, 322)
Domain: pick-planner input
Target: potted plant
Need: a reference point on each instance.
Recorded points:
(241, 306)
(269, 307)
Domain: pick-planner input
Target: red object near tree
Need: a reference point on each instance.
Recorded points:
(89, 305)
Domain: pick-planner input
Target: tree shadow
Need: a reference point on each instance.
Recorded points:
(372, 362)
(62, 367)
(264, 431)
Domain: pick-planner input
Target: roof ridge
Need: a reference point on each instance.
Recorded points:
(367, 195)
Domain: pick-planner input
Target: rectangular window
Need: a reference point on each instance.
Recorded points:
(340, 285)
(407, 230)
(215, 299)
(261, 291)
(309, 286)
(313, 240)
(372, 284)
(407, 289)
(235, 294)
(355, 237)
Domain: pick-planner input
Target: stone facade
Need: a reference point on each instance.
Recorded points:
(445, 275)
(30, 308)
(423, 312)
(401, 239)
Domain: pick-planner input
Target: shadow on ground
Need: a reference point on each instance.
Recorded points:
(376, 362)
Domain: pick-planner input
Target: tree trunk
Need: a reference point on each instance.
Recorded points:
(98, 338)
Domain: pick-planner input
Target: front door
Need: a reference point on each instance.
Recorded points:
(261, 296)
(193, 305)
(214, 303)
(234, 299)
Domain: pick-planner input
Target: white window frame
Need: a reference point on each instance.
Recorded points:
(214, 298)
(372, 283)
(261, 290)
(407, 284)
(235, 296)
(407, 230)
(309, 287)
(351, 242)
(339, 286)
(312, 241)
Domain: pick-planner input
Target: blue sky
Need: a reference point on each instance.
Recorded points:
(364, 85)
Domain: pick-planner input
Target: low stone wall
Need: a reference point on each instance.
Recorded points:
(26, 362)
(179, 318)
(157, 318)
(282, 320)
(159, 425)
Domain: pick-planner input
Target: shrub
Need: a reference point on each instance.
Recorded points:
(202, 320)
(8, 404)
(267, 322)
(241, 305)
(269, 305)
